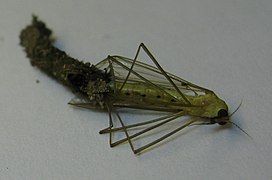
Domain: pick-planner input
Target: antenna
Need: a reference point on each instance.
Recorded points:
(237, 124)
(241, 129)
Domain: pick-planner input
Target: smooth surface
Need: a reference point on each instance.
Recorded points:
(224, 45)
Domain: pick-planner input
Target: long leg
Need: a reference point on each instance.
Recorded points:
(106, 130)
(143, 78)
(132, 65)
(164, 137)
(110, 130)
(129, 138)
(110, 124)
(163, 72)
(158, 66)
(126, 133)
(145, 130)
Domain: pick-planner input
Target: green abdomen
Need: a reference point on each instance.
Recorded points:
(147, 95)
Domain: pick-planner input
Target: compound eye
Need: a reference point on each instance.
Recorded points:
(222, 113)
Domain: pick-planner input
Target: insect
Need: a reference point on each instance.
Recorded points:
(119, 82)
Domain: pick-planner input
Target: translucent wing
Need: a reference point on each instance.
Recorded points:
(148, 74)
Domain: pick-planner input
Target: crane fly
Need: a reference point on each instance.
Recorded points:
(121, 83)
